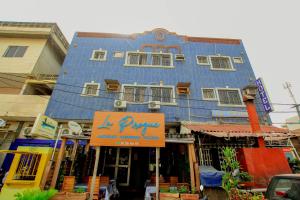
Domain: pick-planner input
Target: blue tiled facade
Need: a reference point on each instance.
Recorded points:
(67, 103)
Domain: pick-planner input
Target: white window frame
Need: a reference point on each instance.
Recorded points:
(230, 105)
(207, 99)
(83, 93)
(238, 60)
(134, 86)
(221, 69)
(149, 54)
(208, 60)
(173, 100)
(148, 93)
(99, 50)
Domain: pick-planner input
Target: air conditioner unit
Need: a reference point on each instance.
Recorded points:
(120, 104)
(154, 105)
(27, 132)
(179, 57)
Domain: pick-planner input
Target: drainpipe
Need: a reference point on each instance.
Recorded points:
(249, 93)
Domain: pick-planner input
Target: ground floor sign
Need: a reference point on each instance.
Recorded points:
(128, 129)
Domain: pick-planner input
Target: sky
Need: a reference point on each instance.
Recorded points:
(269, 29)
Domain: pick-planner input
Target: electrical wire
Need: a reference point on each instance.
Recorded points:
(190, 107)
(120, 92)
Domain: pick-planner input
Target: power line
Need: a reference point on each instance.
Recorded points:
(120, 92)
(191, 107)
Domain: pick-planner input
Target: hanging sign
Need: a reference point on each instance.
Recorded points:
(128, 129)
(44, 126)
(264, 95)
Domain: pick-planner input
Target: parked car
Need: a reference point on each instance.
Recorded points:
(284, 187)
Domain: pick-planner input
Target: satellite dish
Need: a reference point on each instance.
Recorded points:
(75, 127)
(2, 122)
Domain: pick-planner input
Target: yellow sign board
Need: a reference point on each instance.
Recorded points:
(44, 126)
(128, 129)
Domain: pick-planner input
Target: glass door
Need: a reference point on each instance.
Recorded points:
(118, 165)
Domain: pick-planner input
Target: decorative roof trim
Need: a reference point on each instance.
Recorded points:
(159, 30)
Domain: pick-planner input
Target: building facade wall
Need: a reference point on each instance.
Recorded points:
(21, 65)
(48, 55)
(68, 103)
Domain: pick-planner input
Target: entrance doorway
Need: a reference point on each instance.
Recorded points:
(118, 164)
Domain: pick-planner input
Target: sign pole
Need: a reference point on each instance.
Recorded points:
(58, 162)
(47, 170)
(95, 173)
(157, 171)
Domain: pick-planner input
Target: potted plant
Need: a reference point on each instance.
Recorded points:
(77, 194)
(184, 195)
(166, 194)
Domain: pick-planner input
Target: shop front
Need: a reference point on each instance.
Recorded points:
(124, 133)
(125, 149)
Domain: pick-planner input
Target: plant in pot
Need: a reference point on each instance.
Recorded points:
(166, 194)
(184, 195)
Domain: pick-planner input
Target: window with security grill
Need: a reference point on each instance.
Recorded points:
(137, 59)
(205, 158)
(221, 62)
(15, 51)
(91, 89)
(229, 97)
(99, 55)
(161, 60)
(27, 167)
(202, 60)
(134, 94)
(208, 94)
(162, 94)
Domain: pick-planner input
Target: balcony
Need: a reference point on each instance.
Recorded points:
(22, 107)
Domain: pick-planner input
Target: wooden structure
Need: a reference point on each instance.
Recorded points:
(68, 184)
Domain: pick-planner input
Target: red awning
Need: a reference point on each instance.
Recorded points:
(233, 130)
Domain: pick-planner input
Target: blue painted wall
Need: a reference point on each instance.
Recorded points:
(67, 103)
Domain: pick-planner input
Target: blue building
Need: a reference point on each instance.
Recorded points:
(189, 79)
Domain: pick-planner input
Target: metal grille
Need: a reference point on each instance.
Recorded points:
(221, 155)
(166, 60)
(91, 89)
(134, 94)
(205, 157)
(162, 94)
(99, 55)
(137, 58)
(221, 63)
(27, 167)
(202, 59)
(231, 97)
(208, 93)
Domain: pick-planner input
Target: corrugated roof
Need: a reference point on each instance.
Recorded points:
(239, 130)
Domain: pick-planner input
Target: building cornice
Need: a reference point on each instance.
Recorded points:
(159, 31)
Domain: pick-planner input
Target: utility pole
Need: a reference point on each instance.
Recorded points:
(288, 86)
